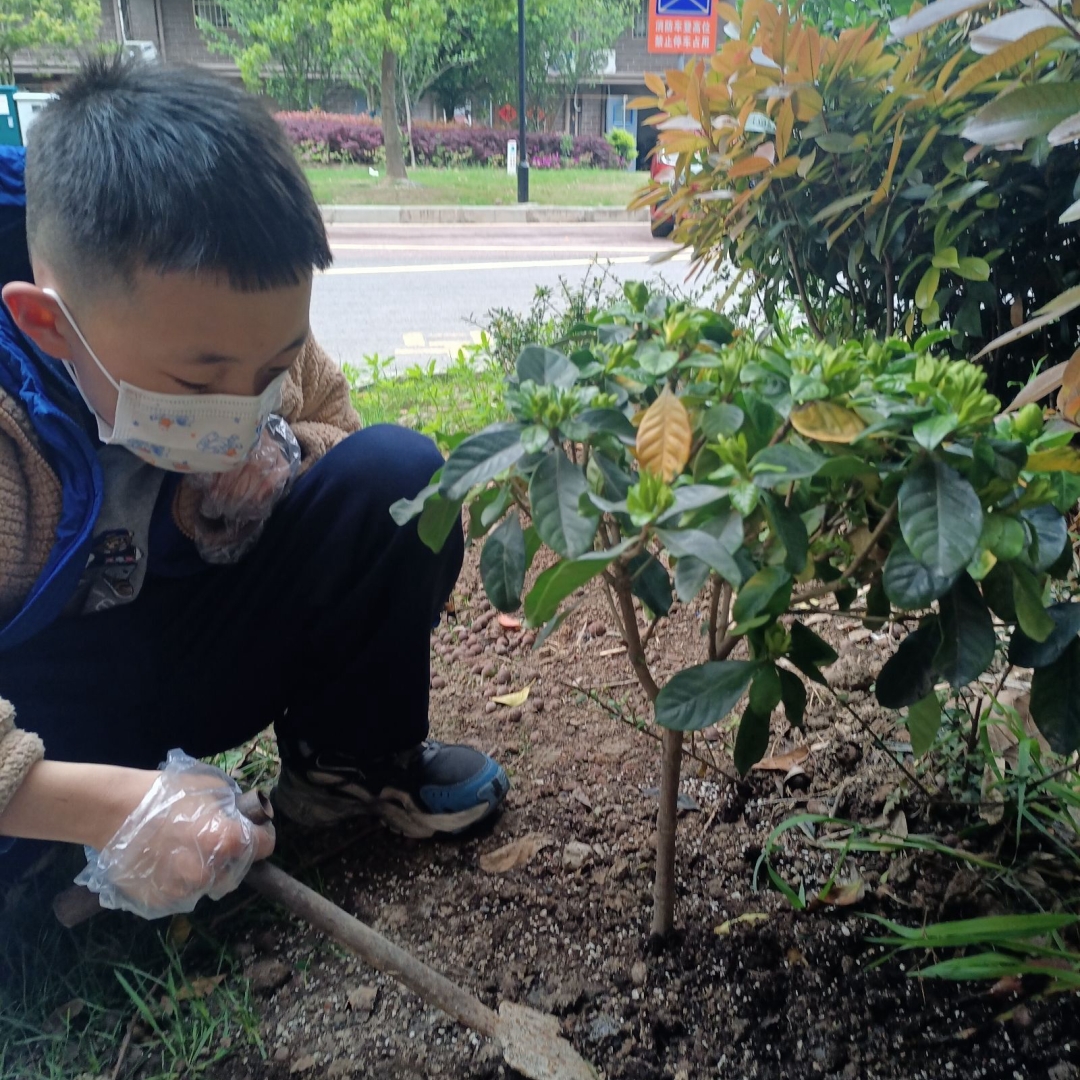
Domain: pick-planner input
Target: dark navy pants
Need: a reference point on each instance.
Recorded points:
(322, 630)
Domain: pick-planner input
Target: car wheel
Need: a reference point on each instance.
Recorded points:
(661, 226)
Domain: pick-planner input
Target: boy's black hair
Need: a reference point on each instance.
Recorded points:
(172, 170)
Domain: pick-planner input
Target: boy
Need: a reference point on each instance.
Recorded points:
(158, 390)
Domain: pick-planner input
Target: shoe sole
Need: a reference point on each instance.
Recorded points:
(326, 802)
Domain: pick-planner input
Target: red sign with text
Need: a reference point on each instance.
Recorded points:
(682, 26)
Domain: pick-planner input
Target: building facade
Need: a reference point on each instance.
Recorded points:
(169, 31)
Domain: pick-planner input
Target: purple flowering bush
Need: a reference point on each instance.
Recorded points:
(329, 137)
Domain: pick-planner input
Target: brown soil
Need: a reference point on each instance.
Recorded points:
(792, 995)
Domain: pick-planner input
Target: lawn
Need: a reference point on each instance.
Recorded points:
(479, 186)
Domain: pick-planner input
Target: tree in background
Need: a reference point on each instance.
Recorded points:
(44, 24)
(284, 46)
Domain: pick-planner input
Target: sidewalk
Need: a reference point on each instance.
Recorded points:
(515, 214)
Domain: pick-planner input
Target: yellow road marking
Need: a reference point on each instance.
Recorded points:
(523, 264)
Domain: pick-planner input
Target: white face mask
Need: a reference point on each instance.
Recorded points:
(198, 433)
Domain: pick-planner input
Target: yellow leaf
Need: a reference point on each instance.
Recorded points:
(645, 102)
(1061, 459)
(826, 421)
(655, 84)
(785, 121)
(751, 917)
(179, 930)
(749, 166)
(201, 987)
(1068, 399)
(882, 192)
(1006, 57)
(518, 697)
(1044, 383)
(664, 437)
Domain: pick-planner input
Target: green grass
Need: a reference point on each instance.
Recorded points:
(477, 186)
(462, 399)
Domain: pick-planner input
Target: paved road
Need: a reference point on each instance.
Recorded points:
(418, 291)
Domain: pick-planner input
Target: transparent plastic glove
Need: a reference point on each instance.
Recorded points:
(184, 841)
(242, 500)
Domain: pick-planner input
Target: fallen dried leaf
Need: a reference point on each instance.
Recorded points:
(784, 762)
(514, 700)
(302, 1064)
(62, 1016)
(515, 854)
(751, 917)
(844, 894)
(362, 999)
(796, 958)
(201, 987)
(179, 930)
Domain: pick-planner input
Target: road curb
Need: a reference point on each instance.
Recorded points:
(528, 214)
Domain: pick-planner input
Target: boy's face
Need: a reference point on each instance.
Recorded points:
(169, 333)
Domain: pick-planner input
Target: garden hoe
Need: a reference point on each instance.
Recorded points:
(530, 1040)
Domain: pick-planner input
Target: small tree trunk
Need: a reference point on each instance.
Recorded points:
(408, 125)
(395, 158)
(663, 920)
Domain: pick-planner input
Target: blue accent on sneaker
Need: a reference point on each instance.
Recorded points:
(489, 785)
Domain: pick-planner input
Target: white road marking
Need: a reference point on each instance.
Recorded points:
(524, 264)
(593, 249)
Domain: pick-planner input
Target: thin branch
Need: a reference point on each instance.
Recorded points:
(856, 564)
(780, 432)
(811, 316)
(612, 711)
(880, 743)
(718, 585)
(632, 636)
(1060, 18)
(985, 705)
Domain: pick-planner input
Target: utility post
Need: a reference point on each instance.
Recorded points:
(523, 152)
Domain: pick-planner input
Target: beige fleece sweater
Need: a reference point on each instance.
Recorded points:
(315, 403)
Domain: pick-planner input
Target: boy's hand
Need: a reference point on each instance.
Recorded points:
(186, 839)
(250, 492)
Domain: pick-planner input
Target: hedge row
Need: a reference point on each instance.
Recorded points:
(331, 137)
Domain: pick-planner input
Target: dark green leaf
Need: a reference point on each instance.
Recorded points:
(997, 590)
(690, 576)
(1003, 536)
(878, 608)
(480, 458)
(693, 497)
(940, 517)
(486, 509)
(909, 674)
(809, 653)
(1023, 652)
(789, 529)
(1030, 612)
(768, 592)
(923, 723)
(765, 690)
(616, 480)
(698, 697)
(720, 420)
(967, 634)
(502, 565)
(650, 583)
(702, 545)
(555, 494)
(535, 438)
(533, 544)
(793, 695)
(545, 367)
(752, 740)
(610, 422)
(1051, 534)
(556, 583)
(1055, 700)
(781, 464)
(438, 518)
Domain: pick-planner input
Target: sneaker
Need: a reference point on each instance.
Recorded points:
(433, 788)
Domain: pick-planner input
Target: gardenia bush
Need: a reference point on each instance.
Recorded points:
(341, 138)
(669, 457)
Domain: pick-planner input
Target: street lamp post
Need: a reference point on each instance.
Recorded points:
(523, 153)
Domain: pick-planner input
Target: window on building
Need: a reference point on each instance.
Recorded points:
(641, 20)
(211, 12)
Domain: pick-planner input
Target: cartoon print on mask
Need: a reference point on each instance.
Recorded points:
(214, 443)
(115, 556)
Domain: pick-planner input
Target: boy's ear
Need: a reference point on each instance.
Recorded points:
(38, 316)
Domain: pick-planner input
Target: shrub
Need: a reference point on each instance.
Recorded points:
(669, 457)
(327, 137)
(623, 143)
(854, 185)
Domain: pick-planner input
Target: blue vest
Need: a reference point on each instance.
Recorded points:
(26, 376)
